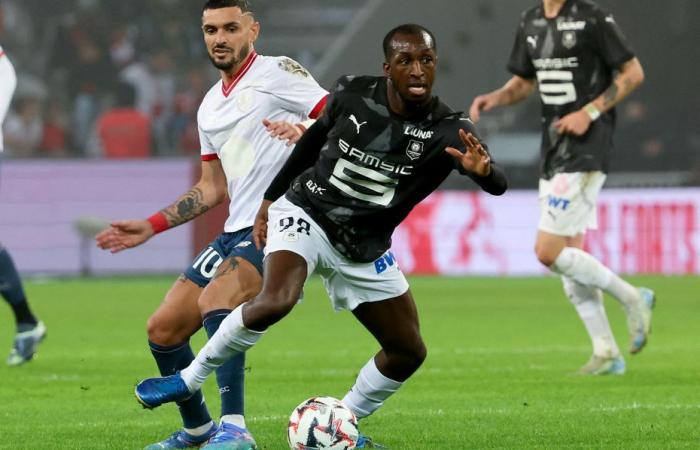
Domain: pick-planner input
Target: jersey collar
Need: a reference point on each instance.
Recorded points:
(227, 89)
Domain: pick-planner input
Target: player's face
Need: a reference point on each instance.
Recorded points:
(411, 67)
(229, 35)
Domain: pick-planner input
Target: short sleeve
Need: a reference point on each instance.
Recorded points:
(301, 93)
(611, 42)
(520, 63)
(328, 118)
(207, 150)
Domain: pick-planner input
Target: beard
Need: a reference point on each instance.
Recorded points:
(234, 60)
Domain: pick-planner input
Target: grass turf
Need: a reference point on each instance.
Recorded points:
(500, 370)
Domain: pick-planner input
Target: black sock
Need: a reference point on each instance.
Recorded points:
(171, 359)
(229, 376)
(11, 290)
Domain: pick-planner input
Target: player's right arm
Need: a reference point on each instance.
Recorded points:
(210, 190)
(515, 90)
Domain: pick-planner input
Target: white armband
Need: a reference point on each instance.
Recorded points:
(303, 126)
(592, 111)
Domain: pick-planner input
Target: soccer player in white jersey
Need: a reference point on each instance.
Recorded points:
(30, 331)
(240, 155)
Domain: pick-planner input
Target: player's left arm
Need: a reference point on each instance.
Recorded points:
(629, 78)
(476, 163)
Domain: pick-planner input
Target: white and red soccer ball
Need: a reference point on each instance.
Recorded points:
(322, 423)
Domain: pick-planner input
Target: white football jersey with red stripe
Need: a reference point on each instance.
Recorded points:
(230, 127)
(8, 81)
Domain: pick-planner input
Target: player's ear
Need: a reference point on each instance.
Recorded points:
(386, 68)
(254, 31)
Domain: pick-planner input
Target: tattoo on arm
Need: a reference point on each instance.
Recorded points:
(610, 95)
(186, 208)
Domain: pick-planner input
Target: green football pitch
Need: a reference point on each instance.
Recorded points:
(500, 373)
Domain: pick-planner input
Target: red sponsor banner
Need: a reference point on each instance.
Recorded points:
(470, 233)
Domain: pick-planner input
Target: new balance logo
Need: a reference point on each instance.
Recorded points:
(353, 119)
(558, 202)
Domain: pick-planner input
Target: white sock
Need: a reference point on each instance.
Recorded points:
(199, 431)
(585, 269)
(370, 391)
(236, 419)
(589, 306)
(231, 338)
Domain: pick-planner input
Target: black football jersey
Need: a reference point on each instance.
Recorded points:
(375, 166)
(572, 57)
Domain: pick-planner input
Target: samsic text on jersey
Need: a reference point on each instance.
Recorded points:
(573, 57)
(375, 166)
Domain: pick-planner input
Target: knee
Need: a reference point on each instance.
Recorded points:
(277, 306)
(412, 357)
(267, 309)
(160, 332)
(545, 255)
(419, 354)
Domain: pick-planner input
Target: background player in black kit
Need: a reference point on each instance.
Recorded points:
(571, 50)
(383, 145)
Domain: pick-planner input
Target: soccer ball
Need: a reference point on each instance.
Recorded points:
(322, 423)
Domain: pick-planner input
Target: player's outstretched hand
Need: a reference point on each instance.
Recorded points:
(123, 234)
(485, 102)
(260, 225)
(284, 131)
(476, 159)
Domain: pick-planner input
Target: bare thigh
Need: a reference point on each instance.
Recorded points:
(236, 281)
(177, 318)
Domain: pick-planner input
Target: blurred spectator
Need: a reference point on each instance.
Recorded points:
(24, 128)
(123, 131)
(53, 141)
(183, 125)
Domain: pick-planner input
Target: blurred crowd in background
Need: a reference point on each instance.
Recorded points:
(89, 70)
(85, 68)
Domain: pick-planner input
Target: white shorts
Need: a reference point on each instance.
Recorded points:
(348, 283)
(568, 202)
(8, 81)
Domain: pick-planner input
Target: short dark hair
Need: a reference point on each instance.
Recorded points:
(410, 29)
(216, 4)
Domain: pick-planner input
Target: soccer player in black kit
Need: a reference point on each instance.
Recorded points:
(382, 146)
(578, 57)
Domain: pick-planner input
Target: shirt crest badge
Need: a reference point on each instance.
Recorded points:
(293, 67)
(568, 39)
(414, 149)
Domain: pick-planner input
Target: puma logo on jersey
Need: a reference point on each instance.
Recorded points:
(353, 119)
(532, 40)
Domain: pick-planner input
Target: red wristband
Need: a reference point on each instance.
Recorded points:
(158, 222)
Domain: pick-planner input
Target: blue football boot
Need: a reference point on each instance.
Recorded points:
(367, 442)
(25, 345)
(231, 437)
(153, 392)
(639, 320)
(599, 365)
(182, 439)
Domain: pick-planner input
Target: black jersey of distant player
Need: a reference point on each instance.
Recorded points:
(573, 57)
(375, 166)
